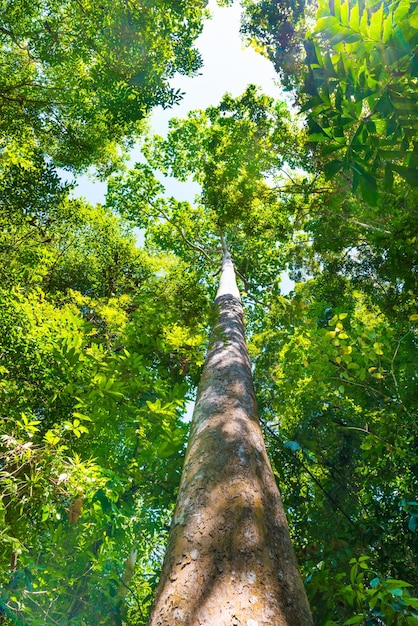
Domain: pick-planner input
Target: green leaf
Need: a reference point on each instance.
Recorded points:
(368, 184)
(333, 167)
(357, 619)
(344, 11)
(376, 21)
(331, 147)
(393, 582)
(396, 592)
(329, 24)
(51, 438)
(413, 19)
(317, 138)
(387, 28)
(312, 103)
(354, 17)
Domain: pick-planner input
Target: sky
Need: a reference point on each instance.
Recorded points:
(227, 67)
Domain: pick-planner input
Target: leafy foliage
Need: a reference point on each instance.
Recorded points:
(79, 76)
(276, 29)
(94, 382)
(102, 341)
(361, 83)
(337, 403)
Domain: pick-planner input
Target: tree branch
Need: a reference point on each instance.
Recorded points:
(307, 470)
(187, 241)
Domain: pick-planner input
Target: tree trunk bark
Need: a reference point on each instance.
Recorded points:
(229, 560)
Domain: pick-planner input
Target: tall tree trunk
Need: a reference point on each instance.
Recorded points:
(229, 560)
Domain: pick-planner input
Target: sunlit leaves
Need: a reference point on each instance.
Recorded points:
(243, 153)
(333, 378)
(362, 88)
(230, 150)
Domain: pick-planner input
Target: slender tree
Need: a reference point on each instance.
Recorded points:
(229, 558)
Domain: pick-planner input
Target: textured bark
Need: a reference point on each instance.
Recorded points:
(229, 560)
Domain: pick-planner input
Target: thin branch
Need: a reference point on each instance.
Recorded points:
(307, 470)
(9, 33)
(352, 382)
(247, 287)
(223, 242)
(301, 189)
(189, 243)
(392, 372)
(24, 100)
(362, 430)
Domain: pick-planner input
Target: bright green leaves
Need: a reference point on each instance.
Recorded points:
(92, 400)
(28, 425)
(356, 353)
(363, 92)
(78, 77)
(136, 195)
(242, 153)
(99, 351)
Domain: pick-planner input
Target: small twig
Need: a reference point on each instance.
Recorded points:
(248, 289)
(392, 372)
(352, 382)
(362, 430)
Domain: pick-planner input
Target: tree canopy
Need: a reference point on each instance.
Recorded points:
(102, 340)
(77, 77)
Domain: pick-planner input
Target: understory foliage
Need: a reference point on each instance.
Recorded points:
(97, 360)
(95, 375)
(102, 340)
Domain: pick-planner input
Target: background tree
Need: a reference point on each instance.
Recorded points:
(82, 308)
(93, 386)
(276, 29)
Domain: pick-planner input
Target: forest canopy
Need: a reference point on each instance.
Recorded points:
(102, 339)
